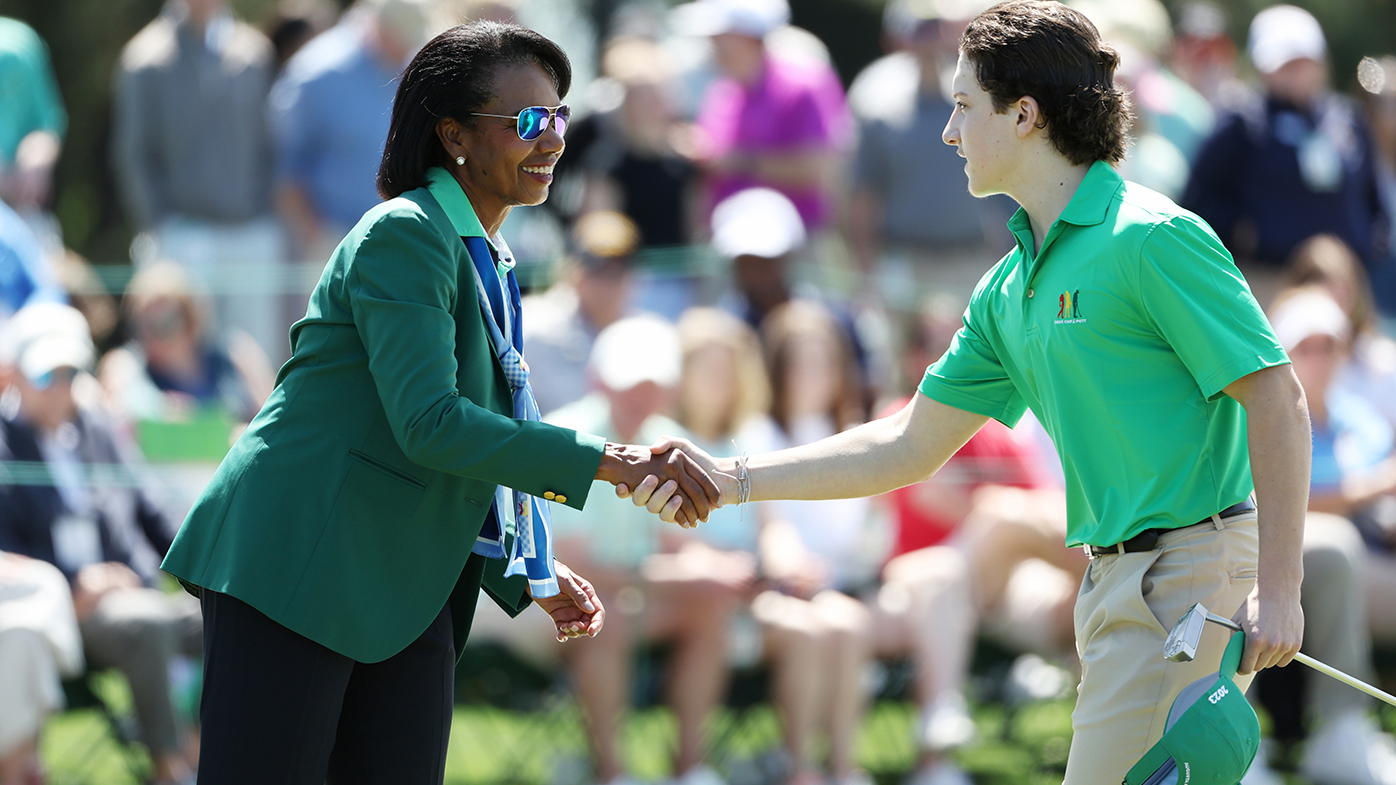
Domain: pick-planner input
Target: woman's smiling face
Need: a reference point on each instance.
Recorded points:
(501, 170)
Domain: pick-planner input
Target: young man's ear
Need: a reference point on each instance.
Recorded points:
(1027, 116)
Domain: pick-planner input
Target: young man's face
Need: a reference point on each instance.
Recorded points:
(984, 137)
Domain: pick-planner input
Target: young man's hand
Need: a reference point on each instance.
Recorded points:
(1274, 630)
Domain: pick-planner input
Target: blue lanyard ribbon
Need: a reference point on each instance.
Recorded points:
(532, 552)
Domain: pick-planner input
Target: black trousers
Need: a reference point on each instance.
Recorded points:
(279, 708)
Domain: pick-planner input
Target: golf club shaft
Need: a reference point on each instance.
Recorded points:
(1328, 670)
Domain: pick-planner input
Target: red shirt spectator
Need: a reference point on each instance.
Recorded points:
(993, 456)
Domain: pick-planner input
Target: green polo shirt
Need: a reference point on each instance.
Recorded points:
(1120, 335)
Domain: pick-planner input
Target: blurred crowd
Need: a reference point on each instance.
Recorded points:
(737, 249)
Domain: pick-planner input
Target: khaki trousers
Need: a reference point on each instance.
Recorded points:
(1127, 606)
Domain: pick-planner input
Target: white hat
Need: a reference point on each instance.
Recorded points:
(634, 350)
(755, 18)
(1282, 33)
(757, 222)
(42, 337)
(1308, 314)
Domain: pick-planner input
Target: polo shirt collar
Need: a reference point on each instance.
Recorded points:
(1088, 206)
(1091, 202)
(447, 192)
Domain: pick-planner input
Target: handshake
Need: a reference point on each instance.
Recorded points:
(672, 478)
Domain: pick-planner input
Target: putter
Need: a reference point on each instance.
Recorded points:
(1181, 646)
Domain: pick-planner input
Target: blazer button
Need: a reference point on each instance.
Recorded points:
(560, 499)
(549, 495)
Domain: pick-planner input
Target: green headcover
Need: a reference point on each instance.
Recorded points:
(1212, 734)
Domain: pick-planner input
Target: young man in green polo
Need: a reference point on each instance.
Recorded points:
(1122, 322)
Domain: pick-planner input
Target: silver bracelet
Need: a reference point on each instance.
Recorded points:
(743, 480)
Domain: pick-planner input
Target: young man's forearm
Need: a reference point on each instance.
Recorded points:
(873, 458)
(1279, 441)
(1280, 450)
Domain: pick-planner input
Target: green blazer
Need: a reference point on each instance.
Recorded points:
(348, 508)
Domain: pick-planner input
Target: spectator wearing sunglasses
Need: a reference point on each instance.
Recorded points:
(400, 465)
(638, 160)
(173, 369)
(86, 512)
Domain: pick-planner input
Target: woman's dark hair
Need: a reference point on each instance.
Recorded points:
(452, 76)
(1053, 53)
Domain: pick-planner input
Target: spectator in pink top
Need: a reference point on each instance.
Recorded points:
(773, 117)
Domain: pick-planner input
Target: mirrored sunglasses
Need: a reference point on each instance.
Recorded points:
(533, 121)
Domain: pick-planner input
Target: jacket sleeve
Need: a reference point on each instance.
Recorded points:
(403, 290)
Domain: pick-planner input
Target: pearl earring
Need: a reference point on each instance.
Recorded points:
(460, 160)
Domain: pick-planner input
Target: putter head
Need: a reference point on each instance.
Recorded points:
(1181, 645)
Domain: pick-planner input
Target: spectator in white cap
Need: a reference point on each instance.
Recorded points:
(759, 230)
(1285, 34)
(660, 585)
(1296, 161)
(107, 537)
(1353, 466)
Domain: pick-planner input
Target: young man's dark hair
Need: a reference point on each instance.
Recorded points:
(1054, 54)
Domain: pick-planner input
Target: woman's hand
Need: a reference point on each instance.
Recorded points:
(661, 496)
(691, 493)
(576, 610)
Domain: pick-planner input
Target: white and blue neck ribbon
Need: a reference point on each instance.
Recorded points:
(532, 552)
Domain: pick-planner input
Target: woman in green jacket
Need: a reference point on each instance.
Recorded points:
(399, 467)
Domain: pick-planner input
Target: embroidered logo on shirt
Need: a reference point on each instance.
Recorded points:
(1069, 308)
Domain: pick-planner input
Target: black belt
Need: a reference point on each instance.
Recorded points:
(1147, 540)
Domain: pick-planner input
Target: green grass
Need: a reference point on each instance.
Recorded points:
(490, 745)
(1027, 746)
